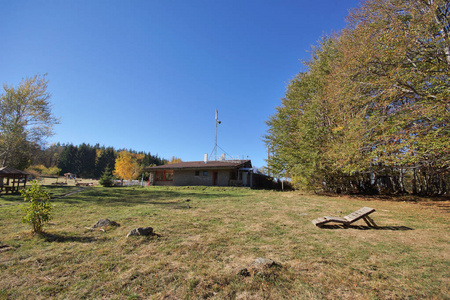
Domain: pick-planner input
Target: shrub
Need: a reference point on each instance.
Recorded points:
(106, 179)
(42, 170)
(39, 209)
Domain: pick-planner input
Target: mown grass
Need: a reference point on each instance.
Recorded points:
(204, 243)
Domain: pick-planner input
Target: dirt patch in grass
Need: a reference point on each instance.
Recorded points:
(204, 243)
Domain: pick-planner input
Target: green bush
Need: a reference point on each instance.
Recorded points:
(39, 209)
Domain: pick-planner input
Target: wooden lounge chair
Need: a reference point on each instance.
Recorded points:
(362, 213)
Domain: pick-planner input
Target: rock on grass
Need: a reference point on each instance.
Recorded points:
(141, 231)
(105, 223)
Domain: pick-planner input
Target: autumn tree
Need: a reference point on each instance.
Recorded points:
(371, 112)
(126, 166)
(175, 160)
(25, 120)
(396, 57)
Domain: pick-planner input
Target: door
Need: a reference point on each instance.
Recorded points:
(215, 176)
(244, 178)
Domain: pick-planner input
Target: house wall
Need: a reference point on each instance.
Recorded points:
(163, 183)
(187, 177)
(152, 181)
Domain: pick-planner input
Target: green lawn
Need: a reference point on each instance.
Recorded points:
(204, 243)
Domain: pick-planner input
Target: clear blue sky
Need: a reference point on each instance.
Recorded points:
(148, 75)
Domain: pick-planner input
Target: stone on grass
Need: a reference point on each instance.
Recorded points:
(141, 231)
(258, 266)
(261, 262)
(105, 223)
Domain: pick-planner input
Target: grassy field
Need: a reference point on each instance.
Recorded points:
(204, 243)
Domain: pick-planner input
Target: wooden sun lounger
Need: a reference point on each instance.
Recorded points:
(362, 213)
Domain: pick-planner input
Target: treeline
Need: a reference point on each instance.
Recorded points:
(26, 121)
(86, 161)
(371, 112)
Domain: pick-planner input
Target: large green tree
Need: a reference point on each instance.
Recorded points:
(302, 127)
(26, 120)
(396, 69)
(371, 112)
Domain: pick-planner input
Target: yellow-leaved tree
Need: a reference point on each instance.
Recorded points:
(126, 166)
(175, 160)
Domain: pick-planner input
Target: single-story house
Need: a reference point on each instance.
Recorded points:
(207, 173)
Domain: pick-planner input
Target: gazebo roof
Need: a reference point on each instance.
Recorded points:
(6, 171)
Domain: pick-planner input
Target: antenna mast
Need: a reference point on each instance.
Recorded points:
(215, 137)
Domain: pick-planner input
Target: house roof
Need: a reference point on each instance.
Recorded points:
(213, 164)
(11, 171)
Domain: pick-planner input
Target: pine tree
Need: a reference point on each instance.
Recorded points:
(106, 179)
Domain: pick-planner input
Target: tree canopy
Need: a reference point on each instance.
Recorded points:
(175, 160)
(127, 167)
(371, 113)
(25, 120)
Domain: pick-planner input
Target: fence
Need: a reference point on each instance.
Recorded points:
(130, 183)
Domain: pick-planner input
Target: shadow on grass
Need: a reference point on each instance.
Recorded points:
(178, 199)
(59, 238)
(55, 193)
(362, 227)
(129, 197)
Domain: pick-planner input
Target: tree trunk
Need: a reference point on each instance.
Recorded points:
(400, 181)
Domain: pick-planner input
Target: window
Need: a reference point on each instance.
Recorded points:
(197, 173)
(159, 176)
(205, 173)
(168, 176)
(164, 175)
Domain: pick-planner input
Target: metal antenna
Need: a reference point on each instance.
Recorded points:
(215, 138)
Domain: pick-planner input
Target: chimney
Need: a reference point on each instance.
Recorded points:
(205, 158)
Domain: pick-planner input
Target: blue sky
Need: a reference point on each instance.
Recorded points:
(149, 75)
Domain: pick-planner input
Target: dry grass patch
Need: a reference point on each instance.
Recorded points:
(205, 242)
